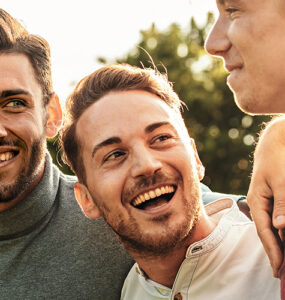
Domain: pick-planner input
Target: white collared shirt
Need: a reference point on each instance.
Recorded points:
(230, 263)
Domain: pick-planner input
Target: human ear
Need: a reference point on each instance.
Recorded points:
(199, 166)
(85, 201)
(54, 119)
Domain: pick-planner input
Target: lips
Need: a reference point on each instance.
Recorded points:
(154, 197)
(232, 67)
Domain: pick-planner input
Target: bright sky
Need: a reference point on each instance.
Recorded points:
(80, 31)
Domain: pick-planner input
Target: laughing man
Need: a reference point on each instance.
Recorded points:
(139, 169)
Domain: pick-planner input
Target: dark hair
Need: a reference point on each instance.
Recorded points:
(93, 87)
(14, 38)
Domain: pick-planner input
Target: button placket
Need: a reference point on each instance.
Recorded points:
(178, 296)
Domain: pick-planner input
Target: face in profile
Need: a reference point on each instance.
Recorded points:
(142, 170)
(249, 36)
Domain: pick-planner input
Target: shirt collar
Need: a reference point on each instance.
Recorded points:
(225, 211)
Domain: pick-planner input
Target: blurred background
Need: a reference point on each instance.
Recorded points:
(88, 34)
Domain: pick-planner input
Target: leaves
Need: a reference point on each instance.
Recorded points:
(223, 134)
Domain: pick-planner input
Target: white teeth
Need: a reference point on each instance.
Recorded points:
(147, 196)
(158, 192)
(6, 156)
(153, 194)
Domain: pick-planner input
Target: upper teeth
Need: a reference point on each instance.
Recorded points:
(153, 194)
(6, 156)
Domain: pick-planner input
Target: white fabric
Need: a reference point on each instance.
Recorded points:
(230, 263)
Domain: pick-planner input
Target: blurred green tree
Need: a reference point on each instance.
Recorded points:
(224, 135)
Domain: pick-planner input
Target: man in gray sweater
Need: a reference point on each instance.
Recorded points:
(48, 249)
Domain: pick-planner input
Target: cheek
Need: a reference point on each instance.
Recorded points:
(31, 125)
(106, 186)
(28, 132)
(182, 160)
(239, 33)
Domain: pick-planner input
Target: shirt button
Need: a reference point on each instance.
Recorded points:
(178, 297)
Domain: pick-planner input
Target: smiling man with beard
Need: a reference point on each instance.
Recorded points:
(45, 248)
(48, 249)
(125, 138)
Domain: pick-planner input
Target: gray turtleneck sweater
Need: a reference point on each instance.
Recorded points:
(50, 250)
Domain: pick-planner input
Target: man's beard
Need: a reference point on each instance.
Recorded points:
(27, 175)
(145, 244)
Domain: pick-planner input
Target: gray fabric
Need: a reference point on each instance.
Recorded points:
(208, 196)
(50, 250)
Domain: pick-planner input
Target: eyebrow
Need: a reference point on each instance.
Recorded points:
(116, 140)
(110, 141)
(9, 93)
(223, 2)
(153, 126)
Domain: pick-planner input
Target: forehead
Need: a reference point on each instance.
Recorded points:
(119, 113)
(16, 73)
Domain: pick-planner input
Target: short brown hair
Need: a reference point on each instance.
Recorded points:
(93, 87)
(14, 38)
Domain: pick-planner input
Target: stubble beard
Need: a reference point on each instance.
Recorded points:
(143, 244)
(170, 237)
(27, 175)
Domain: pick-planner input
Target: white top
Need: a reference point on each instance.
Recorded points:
(230, 263)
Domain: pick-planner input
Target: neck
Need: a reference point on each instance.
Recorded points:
(7, 205)
(163, 269)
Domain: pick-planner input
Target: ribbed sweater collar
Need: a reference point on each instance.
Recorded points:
(33, 208)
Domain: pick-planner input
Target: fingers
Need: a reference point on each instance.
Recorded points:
(279, 208)
(272, 248)
(261, 210)
(266, 196)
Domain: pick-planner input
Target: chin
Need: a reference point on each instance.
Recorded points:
(258, 102)
(247, 103)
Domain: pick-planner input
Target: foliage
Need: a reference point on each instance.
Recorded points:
(224, 135)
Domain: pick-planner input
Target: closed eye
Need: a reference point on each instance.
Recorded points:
(231, 11)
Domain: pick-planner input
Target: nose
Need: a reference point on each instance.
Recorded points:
(217, 42)
(145, 163)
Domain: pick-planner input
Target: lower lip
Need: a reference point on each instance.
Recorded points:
(233, 76)
(8, 162)
(160, 209)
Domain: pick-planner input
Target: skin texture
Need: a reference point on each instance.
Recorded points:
(24, 125)
(147, 150)
(266, 185)
(249, 37)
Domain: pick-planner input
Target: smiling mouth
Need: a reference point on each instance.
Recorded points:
(154, 197)
(8, 155)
